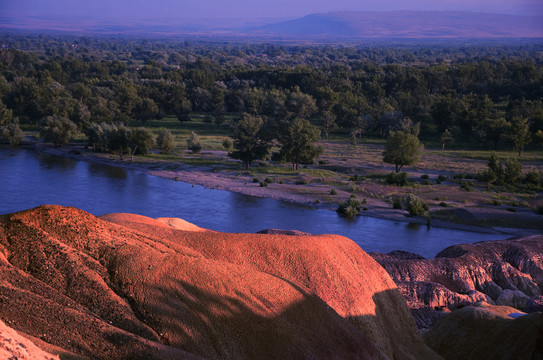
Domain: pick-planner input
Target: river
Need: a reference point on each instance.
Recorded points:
(28, 180)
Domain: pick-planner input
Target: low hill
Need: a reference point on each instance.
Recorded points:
(126, 286)
(407, 24)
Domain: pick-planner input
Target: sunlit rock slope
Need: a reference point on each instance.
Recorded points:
(126, 286)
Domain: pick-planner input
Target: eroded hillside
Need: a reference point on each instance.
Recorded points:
(127, 286)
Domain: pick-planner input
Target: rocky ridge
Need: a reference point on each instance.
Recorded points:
(507, 272)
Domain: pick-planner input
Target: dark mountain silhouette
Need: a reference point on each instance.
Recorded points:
(410, 24)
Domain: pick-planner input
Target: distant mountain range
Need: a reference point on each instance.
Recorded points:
(408, 24)
(330, 26)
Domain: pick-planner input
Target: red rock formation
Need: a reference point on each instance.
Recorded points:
(15, 346)
(127, 286)
(507, 272)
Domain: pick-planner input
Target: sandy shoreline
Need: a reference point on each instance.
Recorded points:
(243, 184)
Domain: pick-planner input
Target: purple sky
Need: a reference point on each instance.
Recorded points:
(247, 9)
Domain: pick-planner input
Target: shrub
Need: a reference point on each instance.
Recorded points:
(466, 185)
(193, 143)
(323, 162)
(356, 178)
(443, 204)
(495, 165)
(263, 184)
(539, 210)
(415, 205)
(227, 144)
(441, 177)
(487, 176)
(426, 182)
(268, 180)
(349, 208)
(425, 177)
(399, 179)
(301, 182)
(255, 180)
(533, 178)
(512, 171)
(333, 192)
(396, 203)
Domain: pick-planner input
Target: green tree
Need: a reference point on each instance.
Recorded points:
(249, 142)
(57, 130)
(6, 115)
(300, 105)
(141, 141)
(520, 134)
(97, 135)
(495, 167)
(446, 138)
(165, 141)
(298, 143)
(193, 143)
(402, 149)
(183, 110)
(146, 110)
(328, 122)
(118, 139)
(12, 134)
(496, 130)
(538, 137)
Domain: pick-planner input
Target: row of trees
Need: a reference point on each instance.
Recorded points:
(253, 139)
(478, 95)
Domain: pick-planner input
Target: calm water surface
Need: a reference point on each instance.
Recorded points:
(28, 180)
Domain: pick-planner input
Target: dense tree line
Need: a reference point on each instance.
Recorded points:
(479, 95)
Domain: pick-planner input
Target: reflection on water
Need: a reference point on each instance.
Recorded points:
(52, 163)
(29, 180)
(113, 172)
(415, 227)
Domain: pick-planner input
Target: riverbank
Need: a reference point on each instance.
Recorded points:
(304, 189)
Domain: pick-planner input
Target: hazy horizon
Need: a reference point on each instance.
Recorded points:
(241, 17)
(140, 10)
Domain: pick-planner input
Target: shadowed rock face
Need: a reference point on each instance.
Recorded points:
(127, 286)
(489, 332)
(507, 272)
